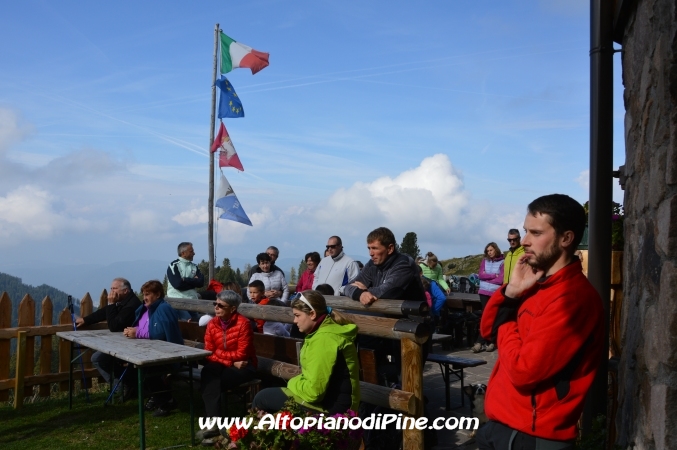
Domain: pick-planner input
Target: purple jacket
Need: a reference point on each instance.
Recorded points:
(491, 275)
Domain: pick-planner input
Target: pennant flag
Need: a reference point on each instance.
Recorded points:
(228, 202)
(227, 156)
(229, 103)
(235, 55)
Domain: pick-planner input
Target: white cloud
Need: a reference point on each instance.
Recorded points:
(11, 130)
(584, 180)
(192, 217)
(430, 196)
(28, 213)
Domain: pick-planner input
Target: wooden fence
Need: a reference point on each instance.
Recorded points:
(32, 354)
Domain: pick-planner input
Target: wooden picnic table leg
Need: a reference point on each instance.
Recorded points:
(142, 427)
(412, 381)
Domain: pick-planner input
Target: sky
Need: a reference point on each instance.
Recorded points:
(442, 118)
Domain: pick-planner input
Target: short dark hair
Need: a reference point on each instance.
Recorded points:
(325, 289)
(563, 213)
(338, 239)
(313, 256)
(153, 287)
(258, 284)
(272, 247)
(514, 231)
(383, 235)
(263, 257)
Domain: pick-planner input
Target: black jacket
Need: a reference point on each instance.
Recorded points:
(119, 315)
(396, 279)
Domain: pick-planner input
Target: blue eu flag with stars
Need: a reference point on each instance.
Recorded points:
(229, 103)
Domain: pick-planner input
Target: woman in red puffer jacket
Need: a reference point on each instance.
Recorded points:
(229, 337)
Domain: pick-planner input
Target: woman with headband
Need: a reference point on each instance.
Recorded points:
(330, 378)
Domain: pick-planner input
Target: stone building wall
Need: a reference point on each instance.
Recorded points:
(647, 414)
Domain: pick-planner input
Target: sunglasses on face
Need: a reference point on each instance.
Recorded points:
(332, 246)
(221, 305)
(513, 239)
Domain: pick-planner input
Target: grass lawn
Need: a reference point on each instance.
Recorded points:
(49, 424)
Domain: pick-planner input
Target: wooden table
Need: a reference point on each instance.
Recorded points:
(462, 300)
(142, 353)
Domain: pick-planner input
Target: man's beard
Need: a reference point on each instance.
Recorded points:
(547, 258)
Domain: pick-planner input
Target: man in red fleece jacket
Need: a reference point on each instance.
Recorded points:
(547, 322)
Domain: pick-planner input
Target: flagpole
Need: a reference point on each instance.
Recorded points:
(210, 207)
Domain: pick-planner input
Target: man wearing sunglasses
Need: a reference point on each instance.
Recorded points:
(514, 252)
(336, 269)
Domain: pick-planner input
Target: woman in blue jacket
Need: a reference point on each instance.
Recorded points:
(156, 319)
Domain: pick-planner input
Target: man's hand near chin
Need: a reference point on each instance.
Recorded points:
(113, 297)
(522, 278)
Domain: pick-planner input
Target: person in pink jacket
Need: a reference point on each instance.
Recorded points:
(491, 278)
(307, 278)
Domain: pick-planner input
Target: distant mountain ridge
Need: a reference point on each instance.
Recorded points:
(16, 290)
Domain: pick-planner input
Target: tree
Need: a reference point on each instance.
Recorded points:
(225, 273)
(302, 267)
(409, 245)
(292, 276)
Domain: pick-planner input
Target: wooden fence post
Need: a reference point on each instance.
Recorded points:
(86, 306)
(21, 353)
(5, 322)
(103, 299)
(64, 349)
(45, 345)
(26, 318)
(412, 381)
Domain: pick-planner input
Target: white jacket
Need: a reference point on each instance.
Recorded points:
(336, 272)
(272, 280)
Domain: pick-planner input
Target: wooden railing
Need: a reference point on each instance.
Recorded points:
(31, 352)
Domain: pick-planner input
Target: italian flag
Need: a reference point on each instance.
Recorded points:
(235, 55)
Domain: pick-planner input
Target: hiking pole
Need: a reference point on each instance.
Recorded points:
(115, 388)
(82, 363)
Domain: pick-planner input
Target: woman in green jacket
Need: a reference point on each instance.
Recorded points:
(330, 378)
(432, 270)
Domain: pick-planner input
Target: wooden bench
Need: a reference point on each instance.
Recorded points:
(453, 365)
(277, 348)
(244, 392)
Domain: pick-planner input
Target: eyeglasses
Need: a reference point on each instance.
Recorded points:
(222, 306)
(513, 239)
(332, 246)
